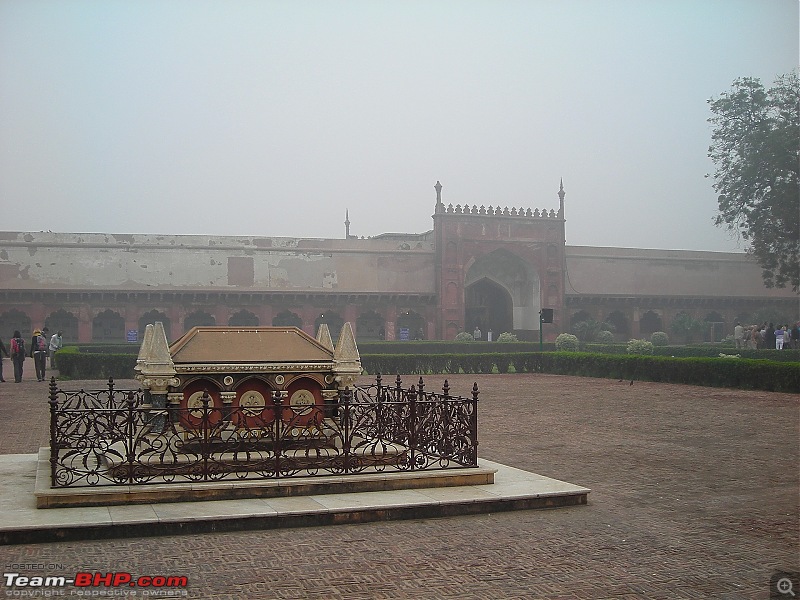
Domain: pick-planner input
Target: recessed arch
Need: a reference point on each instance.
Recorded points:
(243, 318)
(410, 326)
(15, 320)
(488, 307)
(519, 281)
(198, 319)
(65, 322)
(108, 326)
(151, 317)
(287, 318)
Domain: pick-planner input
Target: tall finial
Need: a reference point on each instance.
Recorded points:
(439, 205)
(346, 224)
(561, 195)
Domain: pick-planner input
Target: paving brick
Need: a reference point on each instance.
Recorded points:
(695, 493)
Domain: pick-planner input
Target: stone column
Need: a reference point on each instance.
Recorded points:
(227, 405)
(174, 400)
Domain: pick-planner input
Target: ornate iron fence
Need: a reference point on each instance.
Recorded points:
(114, 437)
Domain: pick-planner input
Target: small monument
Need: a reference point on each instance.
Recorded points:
(245, 369)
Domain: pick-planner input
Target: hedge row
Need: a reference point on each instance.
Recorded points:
(449, 347)
(706, 371)
(716, 372)
(706, 350)
(75, 363)
(441, 347)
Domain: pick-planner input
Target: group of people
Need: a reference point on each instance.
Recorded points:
(40, 348)
(767, 336)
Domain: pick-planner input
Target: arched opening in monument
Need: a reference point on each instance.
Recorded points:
(620, 323)
(108, 326)
(715, 327)
(649, 323)
(15, 320)
(151, 317)
(333, 321)
(65, 322)
(198, 319)
(489, 308)
(287, 318)
(502, 293)
(410, 326)
(243, 318)
(370, 326)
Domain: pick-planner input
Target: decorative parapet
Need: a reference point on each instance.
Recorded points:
(492, 211)
(500, 212)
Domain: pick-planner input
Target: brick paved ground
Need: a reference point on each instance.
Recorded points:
(695, 494)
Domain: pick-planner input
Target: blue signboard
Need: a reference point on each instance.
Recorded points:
(132, 335)
(404, 334)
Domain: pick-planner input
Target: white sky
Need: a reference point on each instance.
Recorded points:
(271, 118)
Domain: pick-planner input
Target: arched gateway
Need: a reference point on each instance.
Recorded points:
(494, 264)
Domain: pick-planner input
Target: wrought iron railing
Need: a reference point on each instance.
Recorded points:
(113, 437)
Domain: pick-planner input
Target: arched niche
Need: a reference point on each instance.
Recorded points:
(151, 317)
(243, 318)
(502, 277)
(108, 326)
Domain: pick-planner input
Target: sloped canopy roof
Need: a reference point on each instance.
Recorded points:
(248, 345)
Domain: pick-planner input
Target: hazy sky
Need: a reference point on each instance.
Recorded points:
(271, 118)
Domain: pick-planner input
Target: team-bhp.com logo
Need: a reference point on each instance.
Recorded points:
(94, 584)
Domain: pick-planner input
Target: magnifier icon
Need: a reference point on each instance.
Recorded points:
(784, 586)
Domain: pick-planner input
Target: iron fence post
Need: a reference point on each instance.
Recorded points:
(474, 424)
(277, 423)
(412, 424)
(53, 429)
(347, 397)
(205, 399)
(129, 434)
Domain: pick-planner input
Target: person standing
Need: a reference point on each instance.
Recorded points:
(17, 355)
(3, 350)
(738, 335)
(39, 354)
(779, 332)
(476, 335)
(56, 343)
(769, 337)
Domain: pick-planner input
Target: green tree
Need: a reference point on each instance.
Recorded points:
(756, 152)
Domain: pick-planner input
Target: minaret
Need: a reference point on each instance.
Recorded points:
(561, 195)
(346, 224)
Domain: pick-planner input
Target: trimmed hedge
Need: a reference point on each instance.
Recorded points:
(744, 373)
(74, 363)
(449, 347)
(715, 372)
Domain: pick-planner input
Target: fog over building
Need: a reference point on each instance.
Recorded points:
(488, 267)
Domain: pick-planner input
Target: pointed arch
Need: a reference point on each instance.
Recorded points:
(108, 326)
(520, 285)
